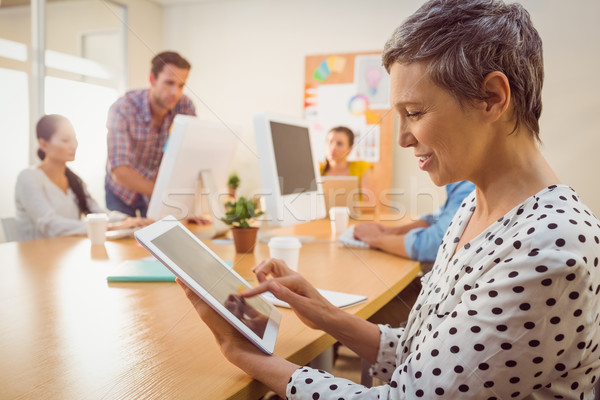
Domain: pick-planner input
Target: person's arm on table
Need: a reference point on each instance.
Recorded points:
(116, 219)
(388, 239)
(374, 229)
(422, 244)
(129, 223)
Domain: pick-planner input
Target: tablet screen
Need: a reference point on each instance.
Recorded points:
(214, 277)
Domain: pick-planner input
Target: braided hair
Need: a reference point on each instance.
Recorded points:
(45, 129)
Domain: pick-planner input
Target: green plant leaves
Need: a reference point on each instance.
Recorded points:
(240, 213)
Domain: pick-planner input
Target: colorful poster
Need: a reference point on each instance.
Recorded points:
(372, 81)
(337, 105)
(329, 65)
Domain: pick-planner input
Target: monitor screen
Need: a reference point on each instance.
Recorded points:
(293, 158)
(291, 188)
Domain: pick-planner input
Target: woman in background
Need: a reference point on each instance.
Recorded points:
(340, 140)
(50, 198)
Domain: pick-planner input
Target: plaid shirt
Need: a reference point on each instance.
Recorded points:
(134, 141)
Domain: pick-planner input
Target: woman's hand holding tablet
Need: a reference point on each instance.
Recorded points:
(207, 276)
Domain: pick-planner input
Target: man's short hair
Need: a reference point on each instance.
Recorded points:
(168, 57)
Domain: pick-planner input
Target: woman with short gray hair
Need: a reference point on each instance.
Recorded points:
(511, 307)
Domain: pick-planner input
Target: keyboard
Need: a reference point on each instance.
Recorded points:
(347, 238)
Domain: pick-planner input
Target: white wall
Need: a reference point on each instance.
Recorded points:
(248, 57)
(144, 37)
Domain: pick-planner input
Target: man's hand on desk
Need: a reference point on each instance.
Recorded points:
(369, 232)
(289, 286)
(198, 221)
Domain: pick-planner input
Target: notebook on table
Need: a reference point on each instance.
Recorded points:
(147, 269)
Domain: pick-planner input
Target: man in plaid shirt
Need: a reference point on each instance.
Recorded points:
(138, 128)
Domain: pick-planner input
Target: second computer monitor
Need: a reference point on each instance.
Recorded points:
(289, 173)
(192, 177)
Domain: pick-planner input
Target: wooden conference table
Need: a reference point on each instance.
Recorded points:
(66, 333)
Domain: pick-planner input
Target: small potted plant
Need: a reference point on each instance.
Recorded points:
(239, 215)
(233, 182)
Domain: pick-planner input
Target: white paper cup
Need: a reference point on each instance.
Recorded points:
(96, 227)
(339, 217)
(286, 248)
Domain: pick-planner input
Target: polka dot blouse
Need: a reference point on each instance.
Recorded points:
(514, 314)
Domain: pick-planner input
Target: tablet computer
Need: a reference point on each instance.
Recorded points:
(211, 279)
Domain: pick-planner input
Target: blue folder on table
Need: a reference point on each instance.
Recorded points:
(146, 269)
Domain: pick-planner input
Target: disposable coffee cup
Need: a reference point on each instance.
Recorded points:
(96, 227)
(339, 217)
(286, 248)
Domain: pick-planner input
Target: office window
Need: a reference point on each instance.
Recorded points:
(85, 64)
(86, 105)
(85, 60)
(14, 128)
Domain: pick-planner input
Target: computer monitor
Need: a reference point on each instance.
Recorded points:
(292, 190)
(192, 177)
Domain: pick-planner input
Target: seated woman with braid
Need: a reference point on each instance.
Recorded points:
(50, 198)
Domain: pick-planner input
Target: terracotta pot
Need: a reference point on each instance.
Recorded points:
(244, 239)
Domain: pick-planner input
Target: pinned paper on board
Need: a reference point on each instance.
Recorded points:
(329, 65)
(367, 143)
(372, 81)
(310, 95)
(352, 89)
(339, 105)
(359, 105)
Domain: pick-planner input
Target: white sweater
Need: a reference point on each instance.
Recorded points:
(44, 210)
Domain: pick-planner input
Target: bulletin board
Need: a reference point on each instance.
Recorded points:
(352, 89)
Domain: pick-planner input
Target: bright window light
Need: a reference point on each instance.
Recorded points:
(14, 125)
(86, 105)
(77, 65)
(13, 50)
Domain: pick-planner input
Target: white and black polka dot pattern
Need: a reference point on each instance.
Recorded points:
(514, 314)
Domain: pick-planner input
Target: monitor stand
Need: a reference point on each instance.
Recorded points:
(208, 204)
